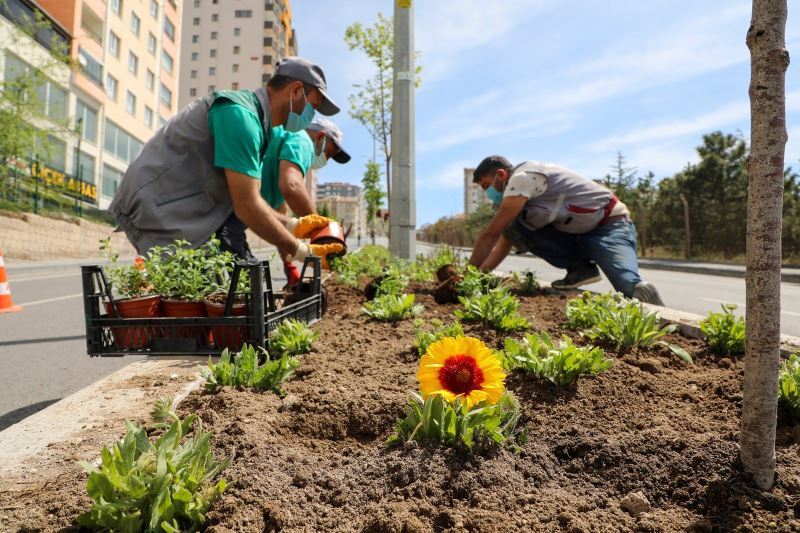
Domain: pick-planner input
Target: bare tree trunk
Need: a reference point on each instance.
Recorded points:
(687, 228)
(643, 220)
(769, 60)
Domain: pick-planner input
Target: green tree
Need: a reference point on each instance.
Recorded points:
(373, 195)
(372, 103)
(623, 181)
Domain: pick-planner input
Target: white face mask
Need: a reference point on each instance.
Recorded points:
(321, 160)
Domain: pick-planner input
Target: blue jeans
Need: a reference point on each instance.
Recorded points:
(611, 246)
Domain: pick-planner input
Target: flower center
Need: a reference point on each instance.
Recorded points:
(460, 374)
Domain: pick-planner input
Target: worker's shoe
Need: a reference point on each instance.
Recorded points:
(647, 293)
(583, 275)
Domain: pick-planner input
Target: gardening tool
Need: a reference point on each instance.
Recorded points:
(6, 303)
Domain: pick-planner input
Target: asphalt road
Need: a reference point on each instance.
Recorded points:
(43, 352)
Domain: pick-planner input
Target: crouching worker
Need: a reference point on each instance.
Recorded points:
(566, 219)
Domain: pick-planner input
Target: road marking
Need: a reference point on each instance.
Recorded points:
(48, 300)
(743, 306)
(34, 278)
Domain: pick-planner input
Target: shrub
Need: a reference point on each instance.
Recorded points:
(391, 307)
(437, 420)
(423, 338)
(291, 337)
(497, 309)
(789, 386)
(246, 372)
(164, 485)
(724, 331)
(560, 363)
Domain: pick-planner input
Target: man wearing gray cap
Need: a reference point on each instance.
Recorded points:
(205, 165)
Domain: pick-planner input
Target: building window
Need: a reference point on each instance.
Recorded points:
(235, 86)
(111, 179)
(192, 92)
(166, 96)
(161, 121)
(214, 17)
(154, 8)
(84, 166)
(237, 32)
(193, 74)
(113, 44)
(51, 99)
(120, 143)
(150, 80)
(243, 14)
(214, 2)
(196, 3)
(88, 117)
(236, 49)
(133, 63)
(169, 29)
(235, 68)
(267, 24)
(211, 88)
(54, 155)
(111, 87)
(212, 71)
(212, 52)
(130, 103)
(266, 60)
(194, 56)
(267, 41)
(151, 43)
(166, 61)
(135, 24)
(195, 39)
(116, 6)
(196, 21)
(148, 117)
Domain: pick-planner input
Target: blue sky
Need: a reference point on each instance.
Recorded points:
(566, 81)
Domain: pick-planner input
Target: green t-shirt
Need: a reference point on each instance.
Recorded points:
(297, 148)
(238, 137)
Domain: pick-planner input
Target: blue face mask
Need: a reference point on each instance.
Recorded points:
(494, 195)
(321, 158)
(299, 122)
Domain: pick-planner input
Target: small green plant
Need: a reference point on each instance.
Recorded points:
(292, 337)
(560, 363)
(789, 386)
(424, 338)
(181, 272)
(724, 331)
(435, 419)
(394, 282)
(391, 307)
(368, 261)
(497, 309)
(526, 282)
(162, 413)
(444, 255)
(476, 282)
(244, 371)
(589, 309)
(164, 485)
(129, 281)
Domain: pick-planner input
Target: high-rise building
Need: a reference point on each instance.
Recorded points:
(345, 203)
(233, 45)
(474, 196)
(125, 87)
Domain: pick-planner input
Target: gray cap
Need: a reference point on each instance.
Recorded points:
(333, 132)
(304, 70)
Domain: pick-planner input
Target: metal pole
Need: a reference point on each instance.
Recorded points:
(78, 166)
(402, 206)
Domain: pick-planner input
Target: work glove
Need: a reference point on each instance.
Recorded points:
(320, 250)
(303, 227)
(292, 273)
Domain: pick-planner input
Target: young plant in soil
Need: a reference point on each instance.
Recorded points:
(291, 337)
(496, 309)
(476, 282)
(164, 485)
(424, 338)
(559, 362)
(391, 307)
(589, 309)
(724, 331)
(129, 281)
(369, 261)
(525, 282)
(463, 401)
(246, 372)
(789, 386)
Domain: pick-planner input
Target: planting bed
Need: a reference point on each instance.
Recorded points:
(315, 460)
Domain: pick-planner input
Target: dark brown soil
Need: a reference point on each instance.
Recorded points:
(446, 272)
(446, 292)
(315, 459)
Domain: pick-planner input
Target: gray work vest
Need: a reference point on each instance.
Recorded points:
(572, 203)
(172, 190)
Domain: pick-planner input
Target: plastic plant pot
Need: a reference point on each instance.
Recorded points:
(134, 338)
(231, 337)
(185, 309)
(332, 233)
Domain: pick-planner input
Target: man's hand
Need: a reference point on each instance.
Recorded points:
(303, 227)
(320, 250)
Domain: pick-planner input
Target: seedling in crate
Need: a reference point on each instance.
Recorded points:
(497, 308)
(424, 338)
(245, 372)
(391, 308)
(789, 386)
(292, 337)
(558, 362)
(164, 485)
(724, 331)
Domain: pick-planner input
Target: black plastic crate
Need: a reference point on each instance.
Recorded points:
(108, 335)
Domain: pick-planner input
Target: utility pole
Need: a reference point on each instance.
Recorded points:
(402, 203)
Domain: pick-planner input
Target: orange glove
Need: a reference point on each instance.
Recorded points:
(302, 227)
(320, 250)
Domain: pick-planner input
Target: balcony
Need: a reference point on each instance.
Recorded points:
(90, 67)
(23, 14)
(92, 25)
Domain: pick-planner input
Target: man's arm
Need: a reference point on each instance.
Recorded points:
(499, 252)
(293, 188)
(508, 210)
(256, 214)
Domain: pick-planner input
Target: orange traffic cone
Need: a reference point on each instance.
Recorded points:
(6, 304)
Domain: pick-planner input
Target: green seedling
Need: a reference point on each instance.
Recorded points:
(497, 309)
(476, 282)
(291, 337)
(724, 331)
(424, 338)
(560, 363)
(391, 307)
(789, 386)
(246, 372)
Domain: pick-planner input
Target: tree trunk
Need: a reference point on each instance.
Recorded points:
(643, 219)
(687, 228)
(769, 60)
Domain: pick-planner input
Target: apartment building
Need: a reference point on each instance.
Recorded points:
(345, 203)
(474, 196)
(232, 45)
(124, 89)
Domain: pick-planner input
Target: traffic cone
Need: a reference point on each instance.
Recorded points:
(6, 304)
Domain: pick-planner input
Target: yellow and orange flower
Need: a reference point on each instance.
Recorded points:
(139, 262)
(461, 368)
